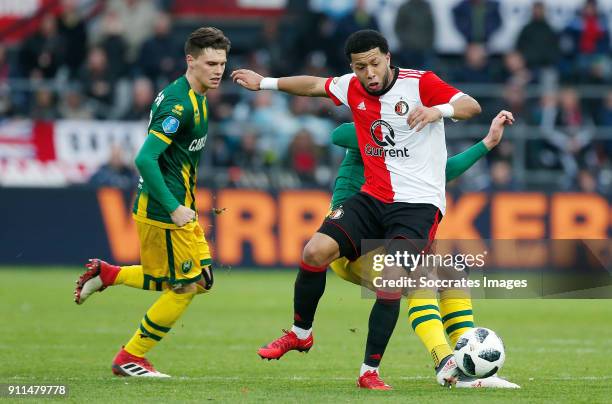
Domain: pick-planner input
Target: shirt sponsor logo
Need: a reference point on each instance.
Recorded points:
(388, 139)
(197, 144)
(374, 151)
(170, 124)
(388, 134)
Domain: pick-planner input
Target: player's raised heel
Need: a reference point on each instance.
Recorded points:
(99, 276)
(288, 342)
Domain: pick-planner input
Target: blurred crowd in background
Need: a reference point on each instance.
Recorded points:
(107, 61)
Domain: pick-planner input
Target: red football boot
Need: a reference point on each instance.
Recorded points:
(284, 344)
(99, 276)
(370, 380)
(126, 364)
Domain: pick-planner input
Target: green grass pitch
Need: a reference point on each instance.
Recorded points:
(558, 350)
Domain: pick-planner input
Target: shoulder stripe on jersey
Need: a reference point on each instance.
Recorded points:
(196, 108)
(412, 71)
(161, 136)
(330, 94)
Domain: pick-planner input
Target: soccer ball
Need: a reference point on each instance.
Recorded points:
(480, 352)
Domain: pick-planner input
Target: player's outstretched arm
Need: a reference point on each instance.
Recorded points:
(148, 166)
(460, 163)
(310, 86)
(496, 131)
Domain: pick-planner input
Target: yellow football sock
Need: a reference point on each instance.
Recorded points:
(456, 311)
(158, 321)
(132, 276)
(424, 316)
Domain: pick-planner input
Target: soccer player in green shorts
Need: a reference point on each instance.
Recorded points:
(455, 308)
(175, 257)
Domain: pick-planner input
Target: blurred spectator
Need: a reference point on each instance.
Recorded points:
(477, 20)
(142, 98)
(271, 117)
(305, 110)
(222, 154)
(138, 18)
(414, 27)
(357, 19)
(501, 177)
(116, 173)
(302, 157)
(249, 155)
(5, 69)
(568, 131)
(113, 42)
(44, 105)
(586, 42)
(161, 58)
(605, 114)
(515, 69)
(43, 53)
(476, 68)
(587, 182)
(73, 106)
(98, 81)
(73, 31)
(277, 49)
(513, 98)
(537, 41)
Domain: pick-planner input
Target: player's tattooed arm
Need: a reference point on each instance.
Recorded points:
(310, 86)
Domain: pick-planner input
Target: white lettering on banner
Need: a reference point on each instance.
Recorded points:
(514, 14)
(18, 8)
(89, 142)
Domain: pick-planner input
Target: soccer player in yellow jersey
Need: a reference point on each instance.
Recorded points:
(174, 254)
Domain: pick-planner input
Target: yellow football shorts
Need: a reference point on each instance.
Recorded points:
(359, 272)
(172, 257)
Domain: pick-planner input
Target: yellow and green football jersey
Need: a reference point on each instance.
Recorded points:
(179, 117)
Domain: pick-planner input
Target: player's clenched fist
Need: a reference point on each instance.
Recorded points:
(421, 116)
(247, 79)
(182, 215)
(496, 131)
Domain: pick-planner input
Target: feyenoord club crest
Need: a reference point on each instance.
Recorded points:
(401, 108)
(336, 213)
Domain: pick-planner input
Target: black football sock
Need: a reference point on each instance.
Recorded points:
(383, 318)
(309, 287)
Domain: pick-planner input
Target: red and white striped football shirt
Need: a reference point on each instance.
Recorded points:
(401, 165)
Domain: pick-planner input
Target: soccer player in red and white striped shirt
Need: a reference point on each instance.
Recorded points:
(399, 115)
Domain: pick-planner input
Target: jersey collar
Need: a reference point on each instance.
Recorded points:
(386, 89)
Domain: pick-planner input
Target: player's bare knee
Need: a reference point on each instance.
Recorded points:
(320, 250)
(190, 288)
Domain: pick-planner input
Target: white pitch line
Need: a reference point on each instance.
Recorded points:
(294, 378)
